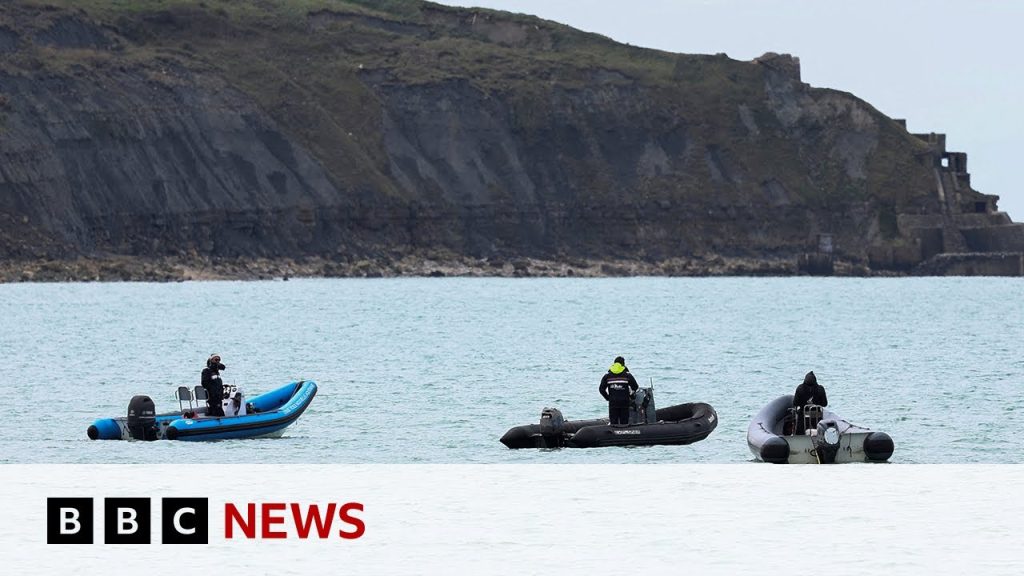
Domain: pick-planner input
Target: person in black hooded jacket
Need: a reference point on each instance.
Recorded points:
(810, 392)
(214, 386)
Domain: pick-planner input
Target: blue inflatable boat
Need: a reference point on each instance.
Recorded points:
(266, 415)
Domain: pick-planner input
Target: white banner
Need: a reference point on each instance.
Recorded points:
(517, 519)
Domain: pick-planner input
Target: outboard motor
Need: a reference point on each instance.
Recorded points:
(826, 441)
(642, 410)
(142, 418)
(648, 408)
(552, 427)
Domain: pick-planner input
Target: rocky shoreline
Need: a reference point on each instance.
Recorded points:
(179, 269)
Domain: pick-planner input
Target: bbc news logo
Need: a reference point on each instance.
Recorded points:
(187, 521)
(127, 521)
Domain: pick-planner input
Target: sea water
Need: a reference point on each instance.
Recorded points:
(435, 370)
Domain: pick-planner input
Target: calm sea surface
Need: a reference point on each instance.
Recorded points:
(435, 370)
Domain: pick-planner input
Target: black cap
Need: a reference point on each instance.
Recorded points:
(620, 360)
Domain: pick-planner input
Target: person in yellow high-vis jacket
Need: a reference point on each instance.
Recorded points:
(617, 387)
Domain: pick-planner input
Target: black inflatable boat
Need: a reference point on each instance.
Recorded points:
(648, 426)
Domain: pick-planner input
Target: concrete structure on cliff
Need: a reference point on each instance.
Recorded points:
(969, 237)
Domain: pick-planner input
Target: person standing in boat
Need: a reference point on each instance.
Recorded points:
(214, 386)
(617, 387)
(810, 392)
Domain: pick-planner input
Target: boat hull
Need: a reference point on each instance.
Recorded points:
(677, 425)
(274, 411)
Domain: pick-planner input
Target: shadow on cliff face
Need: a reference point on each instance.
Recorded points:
(8, 40)
(68, 32)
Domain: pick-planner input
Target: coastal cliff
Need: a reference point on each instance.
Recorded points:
(346, 138)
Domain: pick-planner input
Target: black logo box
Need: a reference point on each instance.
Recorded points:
(183, 521)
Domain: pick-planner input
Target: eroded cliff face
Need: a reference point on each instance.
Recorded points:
(203, 128)
(614, 166)
(123, 161)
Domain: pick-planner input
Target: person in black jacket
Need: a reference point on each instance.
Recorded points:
(617, 387)
(810, 392)
(214, 386)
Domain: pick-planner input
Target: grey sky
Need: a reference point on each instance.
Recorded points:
(946, 66)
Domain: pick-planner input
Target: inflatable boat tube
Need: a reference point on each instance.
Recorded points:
(828, 440)
(675, 425)
(272, 412)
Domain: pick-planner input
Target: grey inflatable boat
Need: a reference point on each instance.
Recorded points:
(814, 435)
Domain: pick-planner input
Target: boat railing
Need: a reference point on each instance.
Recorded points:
(813, 414)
